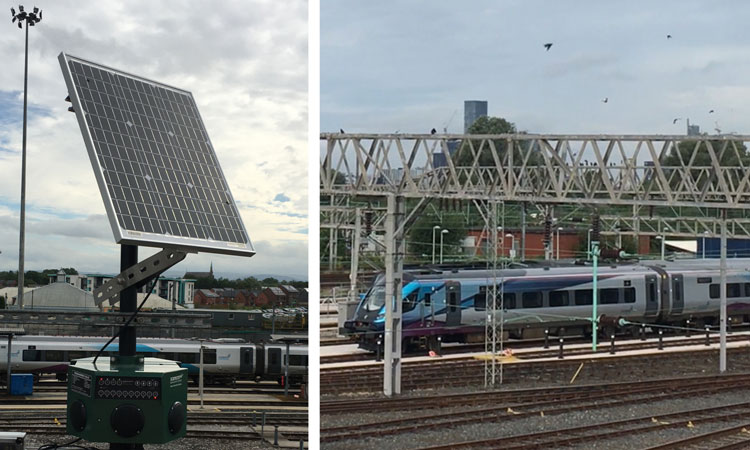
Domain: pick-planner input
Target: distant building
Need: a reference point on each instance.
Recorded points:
(224, 298)
(178, 290)
(473, 109)
(272, 296)
(693, 130)
(196, 275)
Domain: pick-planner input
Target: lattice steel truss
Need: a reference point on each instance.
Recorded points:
(640, 184)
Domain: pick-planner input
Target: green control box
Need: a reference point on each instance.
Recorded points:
(133, 400)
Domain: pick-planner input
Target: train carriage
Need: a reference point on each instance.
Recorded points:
(452, 304)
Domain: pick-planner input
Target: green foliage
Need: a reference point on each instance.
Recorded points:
(420, 235)
(734, 155)
(470, 148)
(250, 283)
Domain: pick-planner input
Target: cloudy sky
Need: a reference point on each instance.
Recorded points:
(245, 63)
(408, 66)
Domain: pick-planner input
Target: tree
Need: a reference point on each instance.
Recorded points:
(734, 155)
(420, 235)
(487, 125)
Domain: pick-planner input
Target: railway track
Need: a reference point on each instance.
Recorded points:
(506, 406)
(469, 372)
(608, 430)
(737, 437)
(552, 352)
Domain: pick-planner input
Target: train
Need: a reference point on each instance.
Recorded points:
(224, 360)
(450, 304)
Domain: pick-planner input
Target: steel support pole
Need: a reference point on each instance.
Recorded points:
(354, 268)
(523, 231)
(286, 371)
(128, 300)
(200, 375)
(10, 340)
(22, 239)
(594, 320)
(723, 294)
(393, 302)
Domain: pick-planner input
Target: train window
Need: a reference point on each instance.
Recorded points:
(231, 316)
(76, 355)
(531, 299)
(410, 302)
(209, 356)
(609, 296)
(651, 291)
(629, 295)
(747, 289)
(273, 358)
(733, 290)
(32, 355)
(54, 355)
(189, 358)
(559, 298)
(713, 291)
(509, 300)
(247, 357)
(480, 299)
(584, 297)
(296, 360)
(428, 298)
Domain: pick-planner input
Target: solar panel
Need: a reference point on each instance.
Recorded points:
(154, 163)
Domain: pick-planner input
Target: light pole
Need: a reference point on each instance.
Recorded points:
(442, 233)
(557, 239)
(661, 238)
(588, 246)
(31, 19)
(703, 248)
(435, 228)
(512, 246)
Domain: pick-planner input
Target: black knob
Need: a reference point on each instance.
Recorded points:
(176, 417)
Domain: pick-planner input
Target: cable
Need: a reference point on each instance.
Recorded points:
(101, 350)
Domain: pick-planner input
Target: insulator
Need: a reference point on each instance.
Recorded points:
(368, 222)
(610, 253)
(547, 230)
(595, 227)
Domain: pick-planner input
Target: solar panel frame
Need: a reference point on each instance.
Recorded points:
(198, 228)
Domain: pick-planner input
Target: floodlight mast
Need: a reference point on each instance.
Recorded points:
(31, 19)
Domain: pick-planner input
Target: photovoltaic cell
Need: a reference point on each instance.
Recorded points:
(158, 173)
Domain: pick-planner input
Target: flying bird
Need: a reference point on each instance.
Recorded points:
(606, 99)
(675, 120)
(669, 36)
(711, 112)
(433, 131)
(548, 45)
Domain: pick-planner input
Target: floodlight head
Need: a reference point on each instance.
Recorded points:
(19, 24)
(36, 10)
(20, 8)
(445, 231)
(40, 15)
(13, 13)
(436, 227)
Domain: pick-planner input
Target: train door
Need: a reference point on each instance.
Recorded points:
(453, 304)
(652, 296)
(678, 299)
(246, 360)
(274, 361)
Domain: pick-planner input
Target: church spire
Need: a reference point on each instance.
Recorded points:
(211, 271)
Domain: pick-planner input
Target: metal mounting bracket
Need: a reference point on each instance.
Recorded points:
(136, 274)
